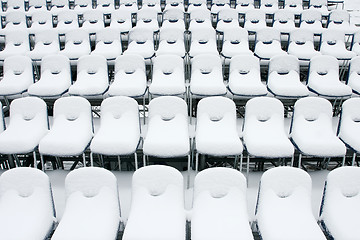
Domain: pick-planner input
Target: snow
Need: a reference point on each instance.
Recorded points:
(340, 206)
(312, 128)
(284, 205)
(244, 77)
(200, 18)
(67, 21)
(173, 18)
(130, 76)
(242, 6)
(254, 20)
(27, 115)
(168, 132)
(227, 19)
(295, 6)
(301, 45)
(157, 201)
(168, 75)
(284, 77)
(324, 77)
(108, 44)
(171, 42)
(216, 132)
(354, 75)
(41, 20)
(93, 21)
(333, 44)
(55, 77)
(219, 210)
(219, 5)
(72, 129)
(203, 41)
(46, 43)
(77, 44)
(263, 130)
(92, 200)
(268, 43)
(121, 20)
(349, 124)
(235, 43)
(16, 43)
(147, 19)
(141, 42)
(119, 132)
(356, 44)
(269, 6)
(340, 20)
(25, 202)
(311, 20)
(284, 21)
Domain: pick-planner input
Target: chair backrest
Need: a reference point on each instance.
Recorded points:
(120, 14)
(83, 2)
(37, 3)
(323, 64)
(168, 64)
(93, 16)
(92, 64)
(173, 14)
(147, 15)
(17, 38)
(244, 64)
(318, 2)
(228, 15)
(200, 15)
(284, 16)
(129, 63)
(41, 17)
(55, 64)
(236, 35)
(268, 35)
(255, 15)
(77, 37)
(332, 36)
(349, 119)
(167, 108)
(301, 36)
(16, 5)
(215, 109)
(283, 64)
(47, 37)
(354, 66)
(310, 15)
(141, 35)
(206, 63)
(171, 35)
(203, 35)
(339, 16)
(107, 35)
(67, 16)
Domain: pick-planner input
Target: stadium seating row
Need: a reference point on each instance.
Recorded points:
(219, 205)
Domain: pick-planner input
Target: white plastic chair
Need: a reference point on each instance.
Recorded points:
(171, 42)
(91, 198)
(55, 78)
(77, 44)
(235, 43)
(18, 75)
(220, 195)
(16, 43)
(356, 44)
(121, 20)
(333, 44)
(319, 5)
(245, 78)
(168, 76)
(72, 129)
(129, 5)
(58, 6)
(268, 44)
(194, 5)
(152, 4)
(67, 21)
(311, 20)
(92, 76)
(294, 6)
(340, 20)
(168, 130)
(147, 18)
(46, 43)
(301, 45)
(218, 5)
(15, 21)
(15, 6)
(339, 203)
(284, 21)
(200, 19)
(81, 6)
(141, 42)
(311, 129)
(108, 44)
(216, 133)
(269, 6)
(129, 77)
(323, 78)
(105, 6)
(93, 21)
(203, 41)
(173, 18)
(174, 4)
(41, 20)
(354, 75)
(26, 199)
(36, 6)
(119, 132)
(227, 20)
(255, 20)
(28, 125)
(284, 205)
(284, 77)
(157, 200)
(242, 6)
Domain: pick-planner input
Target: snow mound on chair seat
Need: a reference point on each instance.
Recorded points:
(25, 201)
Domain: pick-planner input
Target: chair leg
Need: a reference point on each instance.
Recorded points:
(241, 162)
(247, 169)
(343, 161)
(136, 160)
(188, 172)
(84, 159)
(119, 162)
(299, 161)
(353, 159)
(292, 160)
(35, 161)
(144, 160)
(91, 159)
(197, 162)
(42, 162)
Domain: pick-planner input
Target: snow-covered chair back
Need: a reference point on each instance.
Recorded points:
(295, 6)
(215, 109)
(17, 5)
(220, 193)
(333, 43)
(16, 43)
(92, 65)
(107, 36)
(108, 44)
(254, 20)
(284, 20)
(242, 6)
(173, 15)
(121, 19)
(339, 17)
(93, 16)
(284, 64)
(301, 37)
(167, 108)
(68, 18)
(341, 193)
(268, 35)
(41, 18)
(311, 19)
(56, 65)
(129, 64)
(323, 65)
(26, 199)
(141, 35)
(47, 37)
(203, 41)
(171, 42)
(228, 15)
(200, 18)
(354, 75)
(235, 42)
(147, 18)
(269, 6)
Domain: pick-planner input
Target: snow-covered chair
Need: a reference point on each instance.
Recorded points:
(263, 130)
(284, 77)
(121, 20)
(16, 43)
(219, 5)
(200, 19)
(129, 5)
(55, 78)
(77, 44)
(147, 18)
(194, 5)
(319, 5)
(71, 131)
(92, 76)
(67, 21)
(268, 44)
(40, 21)
(46, 43)
(356, 43)
(81, 6)
(340, 20)
(151, 4)
(220, 195)
(171, 42)
(129, 76)
(242, 6)
(294, 6)
(203, 41)
(14, 21)
(105, 6)
(168, 76)
(157, 200)
(58, 6)
(108, 44)
(35, 6)
(92, 208)
(174, 4)
(269, 6)
(15, 6)
(354, 75)
(173, 18)
(93, 21)
(119, 132)
(323, 78)
(17, 75)
(348, 130)
(284, 206)
(311, 20)
(339, 203)
(235, 42)
(245, 77)
(284, 21)
(141, 41)
(216, 133)
(28, 125)
(333, 44)
(26, 201)
(255, 20)
(311, 129)
(168, 130)
(227, 19)
(301, 45)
